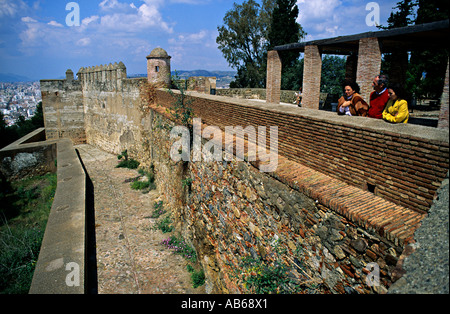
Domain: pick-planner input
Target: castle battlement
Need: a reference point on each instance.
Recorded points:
(109, 75)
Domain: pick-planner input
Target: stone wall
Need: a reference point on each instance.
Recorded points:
(63, 108)
(348, 191)
(235, 211)
(63, 262)
(113, 116)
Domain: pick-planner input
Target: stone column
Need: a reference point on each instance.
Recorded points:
(443, 114)
(273, 80)
(312, 75)
(369, 65)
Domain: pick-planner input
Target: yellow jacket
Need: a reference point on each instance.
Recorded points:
(396, 112)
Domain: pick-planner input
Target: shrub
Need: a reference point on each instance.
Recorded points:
(130, 164)
(197, 277)
(158, 210)
(145, 186)
(180, 247)
(164, 225)
(127, 162)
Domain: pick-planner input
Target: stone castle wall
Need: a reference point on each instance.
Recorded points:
(63, 109)
(232, 210)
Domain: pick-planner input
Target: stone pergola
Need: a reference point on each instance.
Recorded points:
(363, 53)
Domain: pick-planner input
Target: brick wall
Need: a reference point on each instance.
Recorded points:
(312, 74)
(369, 65)
(404, 164)
(273, 83)
(444, 113)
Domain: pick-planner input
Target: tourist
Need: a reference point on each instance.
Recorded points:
(351, 103)
(379, 97)
(396, 110)
(298, 98)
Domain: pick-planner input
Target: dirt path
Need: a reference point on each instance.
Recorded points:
(130, 257)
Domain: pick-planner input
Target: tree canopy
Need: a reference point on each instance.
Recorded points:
(243, 41)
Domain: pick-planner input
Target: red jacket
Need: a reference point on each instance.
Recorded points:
(377, 104)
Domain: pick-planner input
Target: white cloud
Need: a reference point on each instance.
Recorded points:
(331, 18)
(318, 9)
(28, 19)
(88, 20)
(129, 18)
(197, 47)
(54, 23)
(116, 6)
(320, 17)
(11, 8)
(83, 42)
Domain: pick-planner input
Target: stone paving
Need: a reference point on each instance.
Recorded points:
(130, 256)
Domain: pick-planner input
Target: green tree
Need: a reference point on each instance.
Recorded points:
(403, 16)
(333, 74)
(243, 41)
(425, 71)
(284, 29)
(427, 68)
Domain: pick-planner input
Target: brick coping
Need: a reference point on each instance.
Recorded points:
(411, 130)
(366, 210)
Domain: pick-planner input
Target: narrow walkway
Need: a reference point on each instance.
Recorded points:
(130, 257)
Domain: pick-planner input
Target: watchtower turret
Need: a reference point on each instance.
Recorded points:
(158, 68)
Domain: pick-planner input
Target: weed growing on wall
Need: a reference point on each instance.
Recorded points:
(165, 225)
(179, 246)
(144, 185)
(126, 162)
(278, 274)
(261, 277)
(197, 277)
(181, 109)
(158, 210)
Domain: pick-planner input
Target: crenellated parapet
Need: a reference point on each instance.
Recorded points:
(108, 76)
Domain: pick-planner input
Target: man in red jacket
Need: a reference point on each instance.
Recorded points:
(379, 97)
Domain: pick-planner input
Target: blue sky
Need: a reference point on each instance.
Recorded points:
(35, 40)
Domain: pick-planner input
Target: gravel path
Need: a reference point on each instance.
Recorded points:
(130, 257)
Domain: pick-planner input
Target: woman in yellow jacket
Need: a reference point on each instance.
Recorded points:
(396, 110)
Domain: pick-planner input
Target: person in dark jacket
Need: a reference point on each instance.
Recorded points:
(351, 103)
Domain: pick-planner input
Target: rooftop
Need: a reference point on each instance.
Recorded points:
(416, 37)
